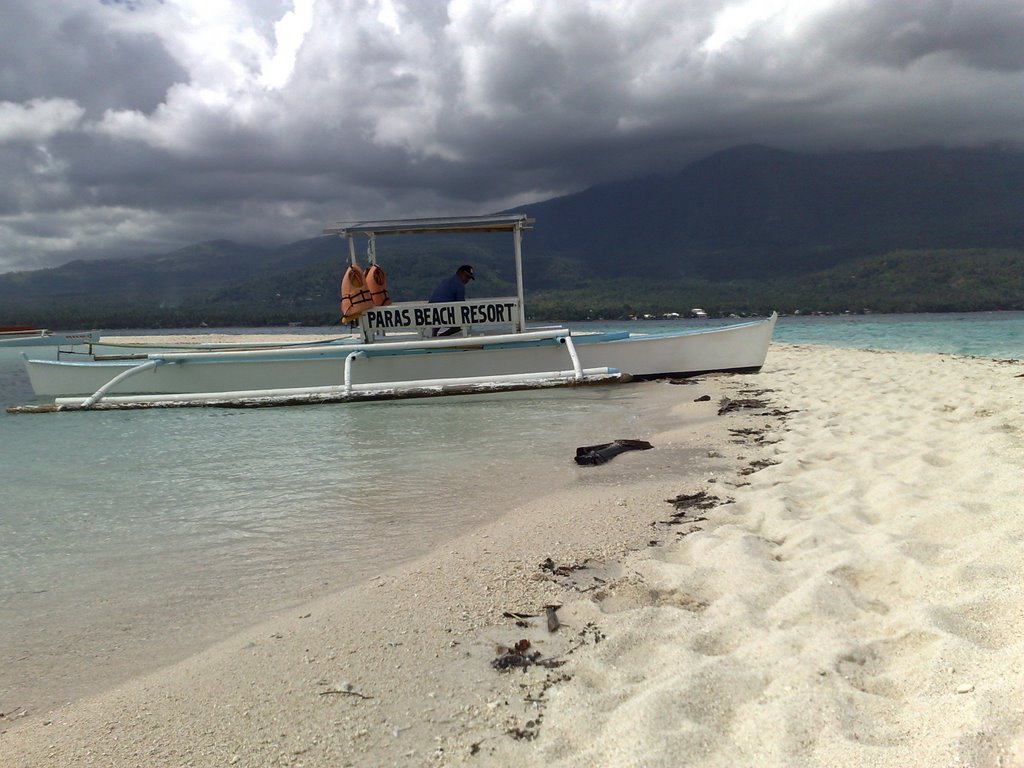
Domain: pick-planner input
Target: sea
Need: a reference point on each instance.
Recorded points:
(131, 539)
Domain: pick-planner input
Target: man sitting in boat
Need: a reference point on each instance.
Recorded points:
(452, 289)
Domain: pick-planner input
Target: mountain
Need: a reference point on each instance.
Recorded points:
(751, 220)
(753, 211)
(179, 273)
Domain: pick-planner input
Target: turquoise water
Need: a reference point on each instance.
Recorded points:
(980, 334)
(983, 334)
(131, 538)
(128, 539)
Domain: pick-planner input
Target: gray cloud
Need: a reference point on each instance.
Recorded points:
(52, 50)
(134, 127)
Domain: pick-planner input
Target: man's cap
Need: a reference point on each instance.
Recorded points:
(468, 270)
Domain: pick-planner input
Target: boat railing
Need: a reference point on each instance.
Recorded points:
(491, 315)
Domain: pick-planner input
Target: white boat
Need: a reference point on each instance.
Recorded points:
(394, 352)
(42, 337)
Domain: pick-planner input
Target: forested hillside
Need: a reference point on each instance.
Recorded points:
(746, 230)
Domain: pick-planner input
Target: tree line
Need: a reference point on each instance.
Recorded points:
(895, 282)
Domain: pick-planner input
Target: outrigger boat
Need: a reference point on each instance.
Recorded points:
(27, 336)
(394, 352)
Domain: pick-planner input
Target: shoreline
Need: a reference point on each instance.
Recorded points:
(73, 644)
(865, 544)
(606, 487)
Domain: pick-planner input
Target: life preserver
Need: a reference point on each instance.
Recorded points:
(355, 298)
(377, 283)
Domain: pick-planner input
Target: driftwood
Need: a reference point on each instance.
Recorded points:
(599, 454)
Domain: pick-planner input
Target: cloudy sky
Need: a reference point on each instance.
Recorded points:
(139, 126)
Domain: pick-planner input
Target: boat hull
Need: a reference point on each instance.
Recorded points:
(737, 347)
(741, 347)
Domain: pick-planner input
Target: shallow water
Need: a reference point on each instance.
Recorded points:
(129, 538)
(980, 334)
(984, 334)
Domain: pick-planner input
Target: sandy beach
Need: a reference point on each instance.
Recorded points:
(823, 572)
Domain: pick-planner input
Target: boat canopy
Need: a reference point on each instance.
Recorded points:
(495, 222)
(499, 222)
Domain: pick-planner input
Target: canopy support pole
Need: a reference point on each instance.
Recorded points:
(517, 243)
(351, 249)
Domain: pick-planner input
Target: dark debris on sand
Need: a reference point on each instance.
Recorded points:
(756, 465)
(685, 504)
(752, 400)
(699, 500)
(551, 567)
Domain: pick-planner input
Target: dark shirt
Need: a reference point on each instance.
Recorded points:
(449, 289)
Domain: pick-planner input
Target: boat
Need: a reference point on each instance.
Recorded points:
(394, 353)
(27, 336)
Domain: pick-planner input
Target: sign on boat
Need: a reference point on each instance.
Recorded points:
(394, 352)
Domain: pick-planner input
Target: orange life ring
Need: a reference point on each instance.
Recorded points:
(377, 283)
(355, 298)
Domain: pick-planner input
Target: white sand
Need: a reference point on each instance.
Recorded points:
(858, 603)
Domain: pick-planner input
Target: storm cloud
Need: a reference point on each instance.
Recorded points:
(137, 126)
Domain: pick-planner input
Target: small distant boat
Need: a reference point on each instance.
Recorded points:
(27, 336)
(698, 313)
(396, 353)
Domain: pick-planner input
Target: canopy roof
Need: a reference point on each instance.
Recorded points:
(499, 222)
